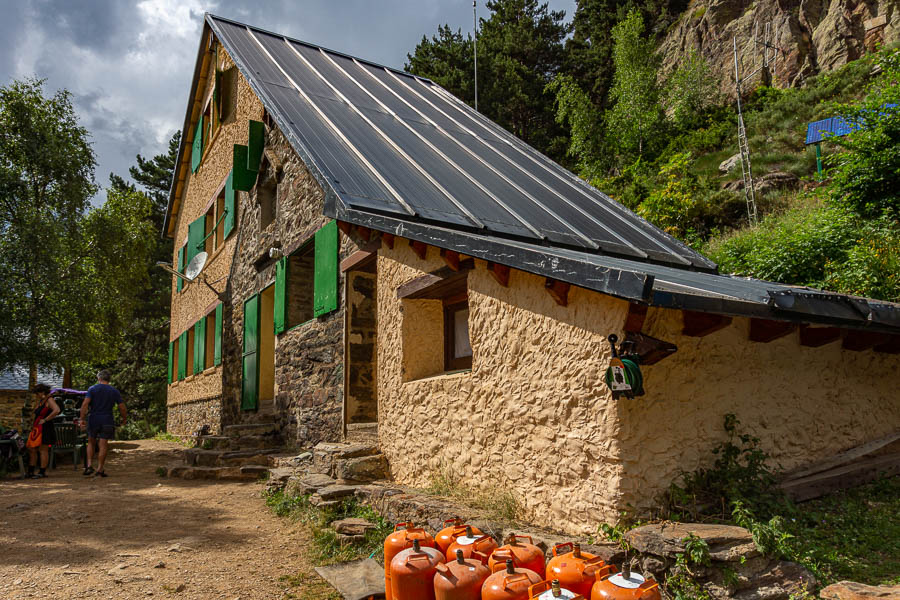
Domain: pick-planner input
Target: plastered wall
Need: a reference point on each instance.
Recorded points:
(534, 417)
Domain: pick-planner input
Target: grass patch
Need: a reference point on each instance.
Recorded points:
(499, 503)
(326, 547)
(312, 587)
(165, 436)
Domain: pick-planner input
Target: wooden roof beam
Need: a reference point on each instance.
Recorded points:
(892, 346)
(857, 340)
(700, 324)
(420, 248)
(558, 290)
(451, 257)
(766, 330)
(814, 337)
(499, 272)
(634, 322)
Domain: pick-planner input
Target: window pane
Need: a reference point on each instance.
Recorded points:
(461, 345)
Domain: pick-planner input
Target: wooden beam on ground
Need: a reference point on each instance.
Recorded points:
(857, 340)
(846, 476)
(700, 324)
(357, 260)
(558, 290)
(892, 346)
(451, 257)
(500, 273)
(388, 239)
(766, 330)
(634, 322)
(420, 248)
(814, 337)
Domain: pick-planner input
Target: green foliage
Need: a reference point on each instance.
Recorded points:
(866, 175)
(690, 91)
(872, 266)
(770, 537)
(681, 584)
(574, 109)
(636, 117)
(446, 59)
(671, 206)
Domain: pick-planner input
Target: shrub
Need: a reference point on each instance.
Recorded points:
(671, 206)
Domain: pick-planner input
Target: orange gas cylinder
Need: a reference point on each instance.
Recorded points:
(522, 551)
(460, 579)
(626, 585)
(509, 583)
(453, 528)
(576, 570)
(401, 539)
(551, 590)
(412, 572)
(472, 546)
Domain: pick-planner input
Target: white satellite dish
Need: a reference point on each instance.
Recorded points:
(195, 266)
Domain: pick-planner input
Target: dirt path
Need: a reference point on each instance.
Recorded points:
(69, 536)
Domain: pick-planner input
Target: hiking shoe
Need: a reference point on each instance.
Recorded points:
(38, 476)
(101, 474)
(88, 471)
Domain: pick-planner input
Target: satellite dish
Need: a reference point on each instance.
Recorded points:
(195, 266)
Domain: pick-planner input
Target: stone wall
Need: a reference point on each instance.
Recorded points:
(533, 417)
(11, 404)
(195, 300)
(308, 357)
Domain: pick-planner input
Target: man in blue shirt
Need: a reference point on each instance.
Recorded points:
(101, 426)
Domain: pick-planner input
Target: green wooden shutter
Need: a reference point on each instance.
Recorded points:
(217, 358)
(244, 178)
(197, 146)
(255, 143)
(199, 345)
(325, 285)
(171, 357)
(180, 283)
(196, 232)
(250, 358)
(230, 205)
(182, 355)
(280, 310)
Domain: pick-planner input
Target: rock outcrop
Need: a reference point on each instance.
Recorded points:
(850, 590)
(814, 35)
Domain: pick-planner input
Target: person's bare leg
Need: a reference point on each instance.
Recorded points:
(32, 460)
(101, 460)
(90, 453)
(45, 457)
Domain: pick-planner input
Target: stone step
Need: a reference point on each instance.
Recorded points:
(246, 429)
(197, 457)
(364, 433)
(254, 442)
(241, 473)
(214, 442)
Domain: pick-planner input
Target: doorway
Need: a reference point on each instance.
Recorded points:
(361, 349)
(267, 351)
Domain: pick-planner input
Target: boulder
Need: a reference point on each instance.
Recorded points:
(362, 468)
(776, 180)
(307, 484)
(729, 163)
(850, 590)
(726, 543)
(352, 526)
(335, 492)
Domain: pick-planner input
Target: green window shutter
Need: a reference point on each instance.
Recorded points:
(199, 345)
(180, 283)
(197, 146)
(255, 143)
(250, 357)
(171, 357)
(244, 178)
(325, 285)
(217, 357)
(280, 311)
(230, 205)
(195, 238)
(182, 355)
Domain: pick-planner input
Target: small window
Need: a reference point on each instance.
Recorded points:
(457, 349)
(189, 365)
(228, 94)
(210, 345)
(214, 225)
(300, 285)
(220, 218)
(208, 124)
(175, 347)
(267, 196)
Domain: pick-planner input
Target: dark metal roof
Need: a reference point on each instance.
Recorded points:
(16, 377)
(397, 153)
(390, 143)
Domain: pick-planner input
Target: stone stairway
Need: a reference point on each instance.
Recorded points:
(242, 452)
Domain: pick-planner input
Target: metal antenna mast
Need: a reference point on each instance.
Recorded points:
(743, 145)
(475, 41)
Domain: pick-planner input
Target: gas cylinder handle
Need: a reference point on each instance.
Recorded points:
(478, 541)
(517, 536)
(404, 525)
(454, 520)
(502, 554)
(557, 547)
(443, 570)
(513, 578)
(536, 589)
(649, 588)
(597, 560)
(417, 556)
(603, 572)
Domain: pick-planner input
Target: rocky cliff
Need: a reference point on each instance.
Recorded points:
(813, 35)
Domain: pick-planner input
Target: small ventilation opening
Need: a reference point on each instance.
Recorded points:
(267, 196)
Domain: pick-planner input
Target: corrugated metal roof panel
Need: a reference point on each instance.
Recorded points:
(393, 143)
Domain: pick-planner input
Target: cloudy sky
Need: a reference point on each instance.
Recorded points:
(128, 63)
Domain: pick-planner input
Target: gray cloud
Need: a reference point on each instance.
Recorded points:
(128, 63)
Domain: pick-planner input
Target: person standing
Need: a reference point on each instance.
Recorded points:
(101, 398)
(42, 435)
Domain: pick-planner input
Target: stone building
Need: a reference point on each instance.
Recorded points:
(15, 394)
(477, 285)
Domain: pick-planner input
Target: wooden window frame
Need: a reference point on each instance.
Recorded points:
(452, 305)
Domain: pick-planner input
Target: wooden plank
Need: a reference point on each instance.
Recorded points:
(842, 458)
(420, 248)
(451, 257)
(892, 346)
(814, 337)
(843, 477)
(634, 322)
(699, 324)
(558, 290)
(857, 340)
(388, 239)
(440, 284)
(766, 330)
(499, 272)
(357, 260)
(650, 349)
(417, 285)
(357, 580)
